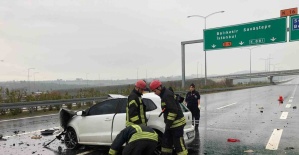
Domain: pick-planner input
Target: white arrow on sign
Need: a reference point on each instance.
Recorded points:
(213, 45)
(273, 39)
(241, 43)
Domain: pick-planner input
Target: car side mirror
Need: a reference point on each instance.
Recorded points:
(80, 113)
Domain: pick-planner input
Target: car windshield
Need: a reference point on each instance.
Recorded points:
(184, 108)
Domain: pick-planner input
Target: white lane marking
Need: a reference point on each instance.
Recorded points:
(284, 115)
(227, 105)
(84, 153)
(288, 106)
(294, 92)
(290, 100)
(27, 118)
(291, 97)
(26, 133)
(274, 139)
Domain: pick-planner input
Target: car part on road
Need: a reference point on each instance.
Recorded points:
(36, 137)
(47, 132)
(57, 137)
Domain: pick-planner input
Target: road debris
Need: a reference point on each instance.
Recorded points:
(248, 151)
(294, 107)
(36, 137)
(289, 148)
(47, 132)
(233, 140)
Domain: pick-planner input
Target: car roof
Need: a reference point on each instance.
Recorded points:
(116, 96)
(150, 95)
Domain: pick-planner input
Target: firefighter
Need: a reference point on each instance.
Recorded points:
(140, 139)
(193, 104)
(173, 118)
(135, 110)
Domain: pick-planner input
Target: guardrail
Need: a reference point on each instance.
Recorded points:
(66, 101)
(203, 91)
(48, 102)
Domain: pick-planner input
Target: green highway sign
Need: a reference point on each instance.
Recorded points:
(294, 28)
(248, 34)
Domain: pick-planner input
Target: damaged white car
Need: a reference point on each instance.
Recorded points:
(100, 124)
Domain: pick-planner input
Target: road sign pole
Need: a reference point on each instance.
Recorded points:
(205, 57)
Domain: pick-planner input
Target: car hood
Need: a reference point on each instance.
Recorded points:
(65, 116)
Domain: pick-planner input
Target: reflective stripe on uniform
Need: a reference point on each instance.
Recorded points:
(137, 128)
(129, 123)
(166, 150)
(185, 152)
(178, 122)
(135, 118)
(182, 143)
(142, 112)
(112, 152)
(133, 102)
(171, 116)
(144, 135)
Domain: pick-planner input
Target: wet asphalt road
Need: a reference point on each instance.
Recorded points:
(246, 116)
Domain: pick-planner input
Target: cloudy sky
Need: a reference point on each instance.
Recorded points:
(109, 39)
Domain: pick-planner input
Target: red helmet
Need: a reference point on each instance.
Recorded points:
(155, 84)
(140, 84)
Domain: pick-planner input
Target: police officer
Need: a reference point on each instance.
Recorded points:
(193, 103)
(173, 118)
(140, 139)
(135, 110)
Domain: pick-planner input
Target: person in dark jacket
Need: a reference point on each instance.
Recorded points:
(193, 103)
(173, 118)
(135, 110)
(140, 139)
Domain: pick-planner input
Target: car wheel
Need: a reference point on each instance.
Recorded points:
(158, 148)
(70, 139)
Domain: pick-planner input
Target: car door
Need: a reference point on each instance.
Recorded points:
(119, 122)
(120, 118)
(95, 127)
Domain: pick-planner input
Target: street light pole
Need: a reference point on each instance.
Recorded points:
(250, 59)
(28, 79)
(265, 63)
(197, 69)
(34, 80)
(86, 79)
(205, 18)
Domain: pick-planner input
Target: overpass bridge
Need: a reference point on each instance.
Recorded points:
(270, 75)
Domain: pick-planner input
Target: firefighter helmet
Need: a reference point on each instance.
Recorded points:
(140, 84)
(155, 84)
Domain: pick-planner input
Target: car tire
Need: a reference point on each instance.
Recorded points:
(158, 148)
(70, 139)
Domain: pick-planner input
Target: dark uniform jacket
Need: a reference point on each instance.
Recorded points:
(192, 98)
(135, 110)
(173, 115)
(132, 133)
